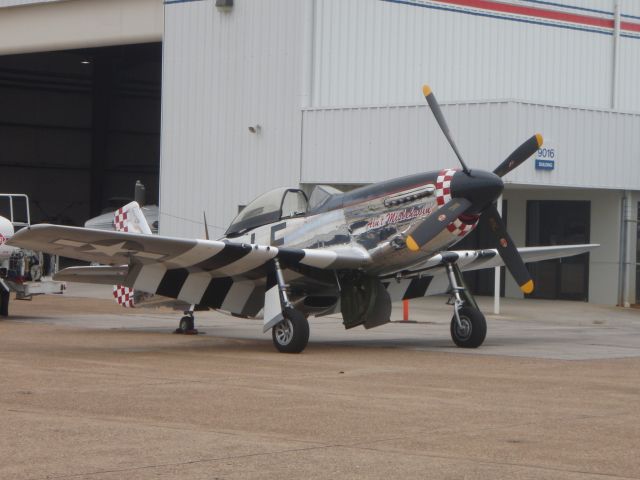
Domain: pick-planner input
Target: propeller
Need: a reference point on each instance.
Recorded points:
(435, 108)
(508, 251)
(475, 193)
(436, 223)
(519, 155)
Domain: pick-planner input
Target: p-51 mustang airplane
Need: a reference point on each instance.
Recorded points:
(352, 252)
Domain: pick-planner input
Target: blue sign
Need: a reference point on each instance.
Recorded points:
(545, 164)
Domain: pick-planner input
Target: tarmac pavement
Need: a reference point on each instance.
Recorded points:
(89, 390)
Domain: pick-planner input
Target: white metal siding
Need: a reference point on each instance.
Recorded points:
(261, 62)
(629, 7)
(224, 72)
(379, 53)
(598, 149)
(628, 93)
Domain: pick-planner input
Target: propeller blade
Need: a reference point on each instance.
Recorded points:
(519, 155)
(436, 223)
(507, 250)
(435, 108)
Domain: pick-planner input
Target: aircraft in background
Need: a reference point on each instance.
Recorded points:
(105, 221)
(287, 258)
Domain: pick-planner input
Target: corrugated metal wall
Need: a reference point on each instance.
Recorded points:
(224, 72)
(628, 89)
(264, 62)
(380, 52)
(630, 8)
(363, 145)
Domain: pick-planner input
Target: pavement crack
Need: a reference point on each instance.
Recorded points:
(178, 464)
(497, 463)
(179, 428)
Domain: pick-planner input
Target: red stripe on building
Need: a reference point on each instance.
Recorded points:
(632, 27)
(541, 13)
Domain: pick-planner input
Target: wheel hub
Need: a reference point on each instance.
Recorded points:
(284, 332)
(463, 330)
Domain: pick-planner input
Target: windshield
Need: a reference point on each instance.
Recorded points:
(270, 207)
(320, 194)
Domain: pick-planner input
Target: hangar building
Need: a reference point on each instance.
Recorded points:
(256, 95)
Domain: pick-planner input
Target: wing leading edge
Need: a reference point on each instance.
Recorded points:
(217, 257)
(429, 277)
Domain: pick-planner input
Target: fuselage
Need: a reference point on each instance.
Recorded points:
(6, 232)
(376, 218)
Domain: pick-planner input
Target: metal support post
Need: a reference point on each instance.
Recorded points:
(498, 271)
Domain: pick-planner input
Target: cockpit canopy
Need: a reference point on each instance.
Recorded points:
(320, 195)
(270, 207)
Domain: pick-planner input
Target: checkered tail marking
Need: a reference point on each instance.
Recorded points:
(123, 296)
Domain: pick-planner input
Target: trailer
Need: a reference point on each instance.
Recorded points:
(25, 272)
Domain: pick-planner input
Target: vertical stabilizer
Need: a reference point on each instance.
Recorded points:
(129, 219)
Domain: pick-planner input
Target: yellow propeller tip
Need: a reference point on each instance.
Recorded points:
(411, 243)
(527, 287)
(539, 139)
(426, 90)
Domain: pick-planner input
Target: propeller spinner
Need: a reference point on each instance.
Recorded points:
(475, 192)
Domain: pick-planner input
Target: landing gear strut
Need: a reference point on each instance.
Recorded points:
(468, 325)
(291, 333)
(187, 323)
(4, 300)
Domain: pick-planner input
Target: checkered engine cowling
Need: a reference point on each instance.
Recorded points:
(464, 223)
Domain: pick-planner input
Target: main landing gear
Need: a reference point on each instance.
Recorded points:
(4, 299)
(187, 323)
(468, 325)
(291, 334)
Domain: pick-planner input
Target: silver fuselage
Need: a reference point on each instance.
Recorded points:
(376, 219)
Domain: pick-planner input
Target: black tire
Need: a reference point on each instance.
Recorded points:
(474, 328)
(291, 335)
(186, 324)
(4, 302)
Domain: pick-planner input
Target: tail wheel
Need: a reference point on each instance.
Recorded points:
(473, 328)
(291, 335)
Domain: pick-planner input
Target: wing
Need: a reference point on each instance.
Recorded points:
(479, 259)
(489, 258)
(429, 277)
(213, 273)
